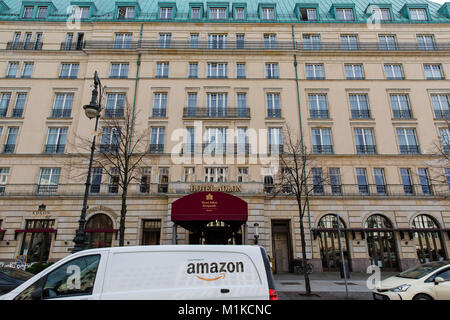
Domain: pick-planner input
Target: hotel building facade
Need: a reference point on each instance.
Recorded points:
(368, 80)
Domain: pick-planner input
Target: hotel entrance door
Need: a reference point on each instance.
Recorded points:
(217, 232)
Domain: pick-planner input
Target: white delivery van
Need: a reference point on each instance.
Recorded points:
(169, 272)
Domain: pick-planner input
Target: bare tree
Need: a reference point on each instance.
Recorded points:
(121, 153)
(295, 173)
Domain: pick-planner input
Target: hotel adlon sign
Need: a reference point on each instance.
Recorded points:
(230, 188)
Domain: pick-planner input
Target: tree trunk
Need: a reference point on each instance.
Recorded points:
(305, 263)
(123, 213)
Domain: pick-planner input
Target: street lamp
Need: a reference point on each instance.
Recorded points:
(256, 235)
(92, 110)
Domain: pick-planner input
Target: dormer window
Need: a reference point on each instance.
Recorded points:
(195, 13)
(42, 12)
(81, 13)
(267, 13)
(28, 12)
(217, 13)
(382, 14)
(166, 13)
(125, 13)
(308, 14)
(418, 14)
(239, 13)
(344, 14)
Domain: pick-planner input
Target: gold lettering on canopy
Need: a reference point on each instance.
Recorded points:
(210, 187)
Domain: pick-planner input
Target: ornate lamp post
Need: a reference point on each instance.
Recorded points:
(92, 110)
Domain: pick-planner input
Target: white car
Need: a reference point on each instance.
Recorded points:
(429, 281)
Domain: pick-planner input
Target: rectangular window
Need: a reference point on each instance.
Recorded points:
(447, 176)
(354, 71)
(241, 98)
(62, 107)
(189, 147)
(115, 105)
(193, 40)
(365, 141)
(424, 181)
(110, 140)
(275, 141)
(317, 180)
(27, 69)
(400, 106)
(433, 72)
(308, 14)
(123, 40)
(240, 70)
(151, 232)
(318, 106)
(81, 13)
(216, 104)
(113, 186)
(387, 42)
(217, 70)
(382, 14)
(359, 106)
(311, 41)
(380, 181)
(426, 42)
(321, 139)
(157, 140)
(441, 106)
(4, 172)
(216, 174)
(335, 181)
(240, 41)
(162, 69)
(96, 180)
(217, 13)
(19, 105)
(270, 40)
(28, 12)
(189, 174)
(125, 13)
(349, 42)
(159, 105)
(195, 13)
(315, 72)
(48, 180)
(12, 69)
(242, 174)
(239, 13)
(272, 71)
(418, 14)
(268, 14)
(146, 174)
(217, 41)
(11, 140)
(393, 71)
(407, 141)
(408, 187)
(192, 100)
(193, 69)
(273, 105)
(164, 40)
(166, 13)
(163, 180)
(4, 104)
(56, 140)
(444, 133)
(42, 12)
(119, 70)
(242, 141)
(344, 14)
(361, 179)
(69, 70)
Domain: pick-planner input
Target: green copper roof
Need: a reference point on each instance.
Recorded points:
(285, 10)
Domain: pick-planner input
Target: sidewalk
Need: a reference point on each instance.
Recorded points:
(328, 285)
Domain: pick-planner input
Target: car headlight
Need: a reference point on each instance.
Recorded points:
(401, 288)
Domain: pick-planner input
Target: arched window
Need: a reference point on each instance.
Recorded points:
(99, 230)
(427, 239)
(329, 242)
(381, 242)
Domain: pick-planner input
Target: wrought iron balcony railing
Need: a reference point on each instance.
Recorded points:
(366, 149)
(318, 114)
(108, 148)
(159, 112)
(24, 45)
(274, 113)
(9, 148)
(72, 46)
(215, 149)
(216, 112)
(17, 113)
(323, 149)
(113, 113)
(442, 114)
(404, 149)
(54, 148)
(401, 114)
(156, 148)
(61, 113)
(360, 114)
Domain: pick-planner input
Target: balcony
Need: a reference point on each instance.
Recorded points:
(274, 113)
(216, 113)
(360, 114)
(366, 149)
(318, 114)
(17, 113)
(61, 113)
(323, 149)
(23, 45)
(72, 46)
(108, 148)
(404, 149)
(113, 113)
(401, 114)
(46, 189)
(158, 113)
(156, 148)
(442, 114)
(54, 148)
(9, 148)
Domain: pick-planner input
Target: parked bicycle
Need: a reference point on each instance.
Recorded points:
(299, 268)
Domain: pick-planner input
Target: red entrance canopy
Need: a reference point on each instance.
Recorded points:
(209, 206)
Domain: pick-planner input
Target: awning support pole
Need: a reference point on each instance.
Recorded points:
(174, 233)
(245, 233)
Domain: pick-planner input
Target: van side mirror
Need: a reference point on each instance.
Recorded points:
(36, 294)
(438, 280)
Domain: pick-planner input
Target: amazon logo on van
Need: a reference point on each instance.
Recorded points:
(214, 267)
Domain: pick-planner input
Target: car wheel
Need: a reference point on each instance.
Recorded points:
(422, 296)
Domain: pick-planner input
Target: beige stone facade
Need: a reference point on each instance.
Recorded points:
(24, 164)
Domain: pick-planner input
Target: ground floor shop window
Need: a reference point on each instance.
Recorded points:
(99, 231)
(37, 239)
(151, 232)
(428, 242)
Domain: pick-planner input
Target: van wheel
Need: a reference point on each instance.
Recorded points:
(422, 296)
